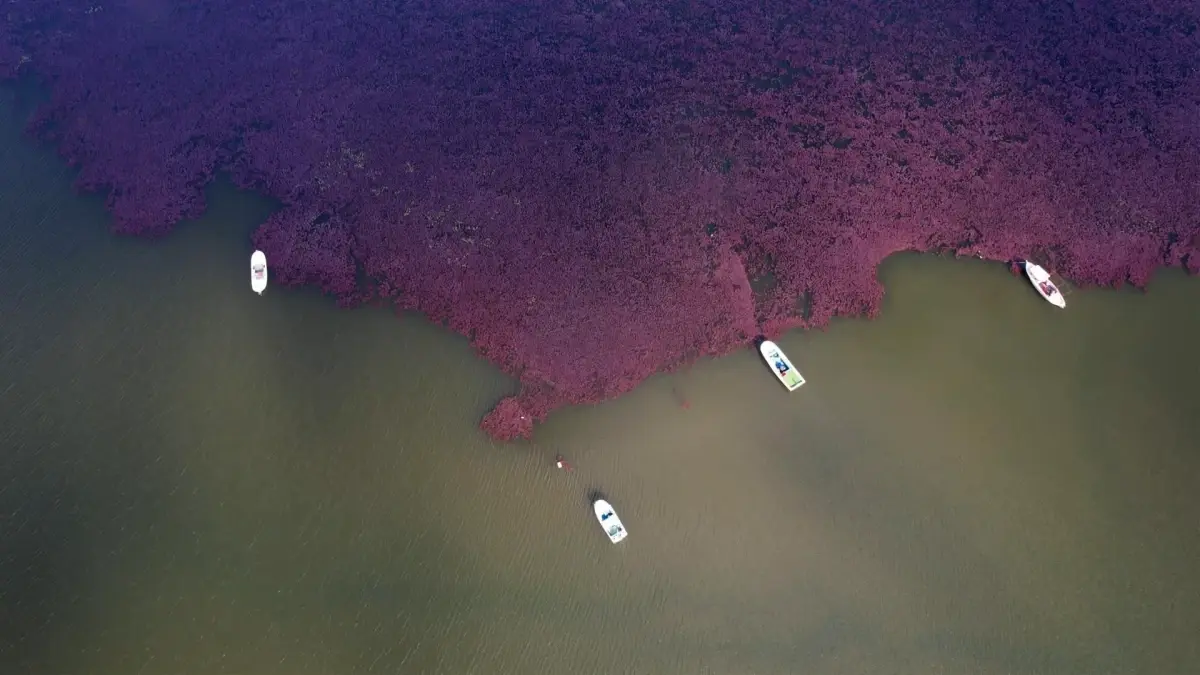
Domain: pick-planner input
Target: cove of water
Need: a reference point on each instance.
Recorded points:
(197, 479)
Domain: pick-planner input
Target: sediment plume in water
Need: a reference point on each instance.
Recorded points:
(594, 192)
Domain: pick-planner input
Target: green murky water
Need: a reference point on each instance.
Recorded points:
(196, 479)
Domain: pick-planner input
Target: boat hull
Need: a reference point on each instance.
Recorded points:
(609, 521)
(1046, 288)
(258, 272)
(781, 365)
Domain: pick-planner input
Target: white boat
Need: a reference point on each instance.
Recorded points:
(781, 365)
(258, 272)
(1040, 279)
(609, 521)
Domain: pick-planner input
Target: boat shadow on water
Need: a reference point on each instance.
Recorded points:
(758, 343)
(594, 494)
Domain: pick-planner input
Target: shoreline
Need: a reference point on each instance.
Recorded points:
(583, 270)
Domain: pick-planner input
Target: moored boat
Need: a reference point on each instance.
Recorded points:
(781, 365)
(1041, 281)
(258, 272)
(612, 525)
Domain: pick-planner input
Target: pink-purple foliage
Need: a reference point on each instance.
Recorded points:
(10, 58)
(594, 191)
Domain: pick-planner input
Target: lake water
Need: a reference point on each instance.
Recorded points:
(195, 479)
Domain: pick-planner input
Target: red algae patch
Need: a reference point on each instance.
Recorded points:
(595, 192)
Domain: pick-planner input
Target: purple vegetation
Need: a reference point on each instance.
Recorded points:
(595, 191)
(10, 58)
